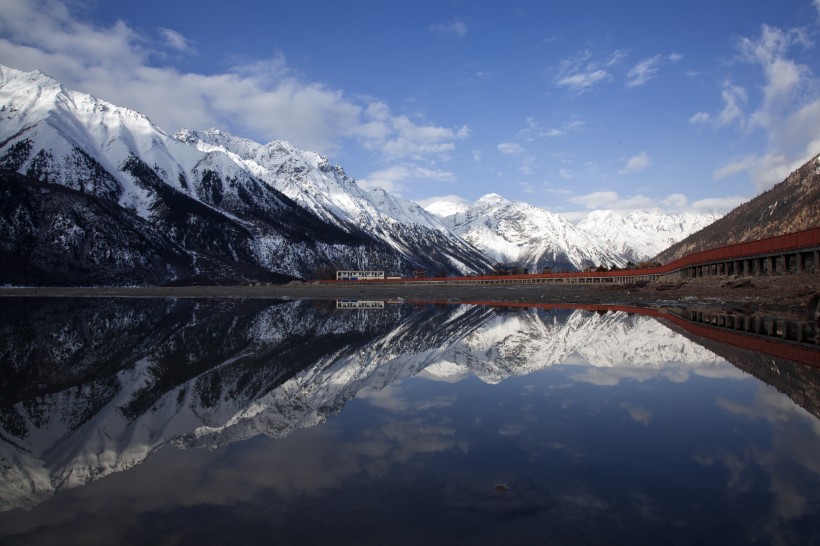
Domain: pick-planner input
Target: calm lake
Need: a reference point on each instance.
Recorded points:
(181, 421)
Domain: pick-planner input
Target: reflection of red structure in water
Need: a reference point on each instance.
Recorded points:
(767, 335)
(420, 274)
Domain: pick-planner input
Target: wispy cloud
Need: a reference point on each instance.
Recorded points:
(584, 71)
(175, 40)
(675, 203)
(581, 81)
(788, 112)
(636, 163)
(393, 178)
(454, 28)
(510, 148)
(700, 118)
(648, 69)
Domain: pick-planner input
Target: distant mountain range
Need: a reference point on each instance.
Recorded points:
(534, 238)
(792, 205)
(96, 194)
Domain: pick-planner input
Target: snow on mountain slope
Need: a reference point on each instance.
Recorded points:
(529, 236)
(640, 235)
(229, 209)
(446, 207)
(325, 190)
(67, 132)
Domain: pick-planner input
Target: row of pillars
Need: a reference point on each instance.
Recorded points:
(792, 330)
(799, 262)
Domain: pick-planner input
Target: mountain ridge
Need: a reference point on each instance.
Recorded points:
(514, 232)
(233, 225)
(789, 206)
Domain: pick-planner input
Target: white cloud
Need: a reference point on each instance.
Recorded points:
(454, 28)
(782, 75)
(765, 170)
(534, 130)
(583, 71)
(263, 100)
(584, 80)
(718, 205)
(175, 40)
(612, 201)
(733, 97)
(510, 148)
(700, 117)
(647, 69)
(788, 113)
(644, 71)
(636, 163)
(675, 203)
(392, 178)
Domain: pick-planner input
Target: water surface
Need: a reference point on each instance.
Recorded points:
(150, 421)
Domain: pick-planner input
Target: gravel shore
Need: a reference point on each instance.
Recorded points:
(776, 292)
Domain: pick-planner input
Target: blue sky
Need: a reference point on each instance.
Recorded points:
(569, 105)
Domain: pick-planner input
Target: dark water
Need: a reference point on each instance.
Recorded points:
(148, 421)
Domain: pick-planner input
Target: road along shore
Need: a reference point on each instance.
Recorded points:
(775, 292)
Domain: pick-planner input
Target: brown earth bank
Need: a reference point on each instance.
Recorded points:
(785, 292)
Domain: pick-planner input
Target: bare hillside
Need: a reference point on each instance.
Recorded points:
(791, 205)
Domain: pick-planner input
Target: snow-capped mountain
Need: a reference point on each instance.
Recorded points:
(96, 193)
(104, 398)
(517, 232)
(326, 191)
(529, 236)
(446, 207)
(640, 235)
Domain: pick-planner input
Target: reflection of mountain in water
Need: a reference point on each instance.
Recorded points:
(92, 387)
(799, 382)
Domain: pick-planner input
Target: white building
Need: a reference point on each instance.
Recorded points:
(359, 275)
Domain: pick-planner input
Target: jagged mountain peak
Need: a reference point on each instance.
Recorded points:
(325, 190)
(230, 202)
(492, 199)
(527, 235)
(640, 235)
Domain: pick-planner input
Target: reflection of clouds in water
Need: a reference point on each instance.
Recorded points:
(791, 453)
(638, 413)
(584, 499)
(674, 372)
(316, 459)
(391, 398)
(610, 377)
(511, 430)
